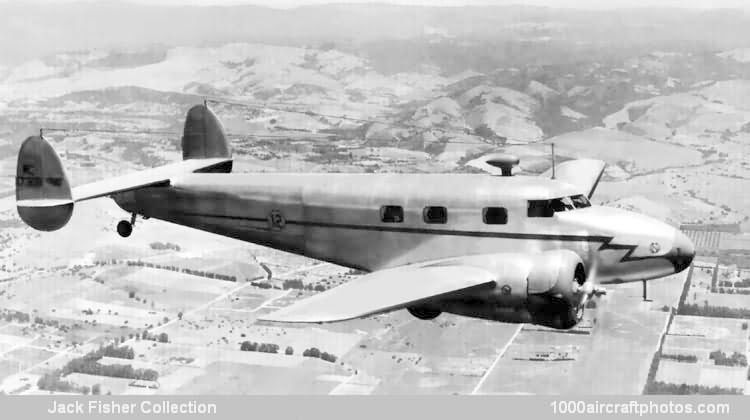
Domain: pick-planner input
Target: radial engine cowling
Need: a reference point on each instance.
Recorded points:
(535, 289)
(558, 273)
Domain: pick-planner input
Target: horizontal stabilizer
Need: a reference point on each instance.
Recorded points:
(582, 173)
(45, 200)
(146, 178)
(384, 291)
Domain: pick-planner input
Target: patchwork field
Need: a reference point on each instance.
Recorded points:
(699, 337)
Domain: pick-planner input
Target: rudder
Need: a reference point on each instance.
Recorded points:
(43, 195)
(204, 136)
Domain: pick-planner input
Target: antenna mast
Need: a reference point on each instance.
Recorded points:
(553, 160)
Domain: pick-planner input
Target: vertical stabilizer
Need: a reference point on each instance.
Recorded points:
(204, 136)
(43, 196)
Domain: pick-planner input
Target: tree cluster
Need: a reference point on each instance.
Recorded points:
(48, 322)
(92, 366)
(299, 285)
(259, 347)
(687, 358)
(159, 246)
(714, 311)
(741, 284)
(123, 352)
(659, 387)
(293, 284)
(730, 291)
(721, 359)
(261, 285)
(89, 364)
(162, 337)
(10, 315)
(190, 271)
(315, 352)
(53, 382)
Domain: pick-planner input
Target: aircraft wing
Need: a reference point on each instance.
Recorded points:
(146, 178)
(384, 291)
(583, 173)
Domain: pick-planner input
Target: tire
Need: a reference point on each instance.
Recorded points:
(124, 228)
(423, 312)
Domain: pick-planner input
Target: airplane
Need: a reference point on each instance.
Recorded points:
(509, 248)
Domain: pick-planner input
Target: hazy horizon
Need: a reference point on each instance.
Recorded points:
(553, 4)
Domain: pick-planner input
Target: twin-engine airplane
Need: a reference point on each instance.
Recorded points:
(507, 248)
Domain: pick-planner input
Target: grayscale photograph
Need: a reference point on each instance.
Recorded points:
(529, 197)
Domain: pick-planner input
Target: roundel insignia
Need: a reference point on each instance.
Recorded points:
(276, 220)
(505, 289)
(655, 247)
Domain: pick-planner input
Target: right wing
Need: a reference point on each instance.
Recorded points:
(582, 173)
(384, 291)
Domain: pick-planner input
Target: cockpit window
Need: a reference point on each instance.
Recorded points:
(546, 208)
(580, 201)
(540, 208)
(562, 204)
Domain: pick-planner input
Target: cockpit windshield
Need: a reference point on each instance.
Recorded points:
(547, 208)
(580, 201)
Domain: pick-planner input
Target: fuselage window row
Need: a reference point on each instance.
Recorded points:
(439, 215)
(490, 215)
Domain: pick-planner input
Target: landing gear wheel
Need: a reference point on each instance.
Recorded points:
(124, 228)
(423, 312)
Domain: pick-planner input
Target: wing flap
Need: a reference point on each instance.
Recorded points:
(583, 173)
(383, 291)
(146, 178)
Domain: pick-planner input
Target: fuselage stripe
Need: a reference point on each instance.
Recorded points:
(446, 232)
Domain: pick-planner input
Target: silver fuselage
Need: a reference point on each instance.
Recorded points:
(336, 218)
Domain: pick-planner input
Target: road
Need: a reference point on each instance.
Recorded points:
(497, 359)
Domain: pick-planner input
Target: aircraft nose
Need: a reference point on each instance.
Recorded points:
(682, 252)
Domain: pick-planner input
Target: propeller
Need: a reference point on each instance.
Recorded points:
(589, 289)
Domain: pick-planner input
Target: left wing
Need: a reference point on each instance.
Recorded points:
(384, 291)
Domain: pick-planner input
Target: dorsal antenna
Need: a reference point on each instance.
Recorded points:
(553, 160)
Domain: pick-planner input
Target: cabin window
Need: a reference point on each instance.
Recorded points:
(392, 214)
(580, 201)
(495, 215)
(540, 208)
(435, 214)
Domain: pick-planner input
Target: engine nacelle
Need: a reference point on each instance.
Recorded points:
(535, 289)
(558, 273)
